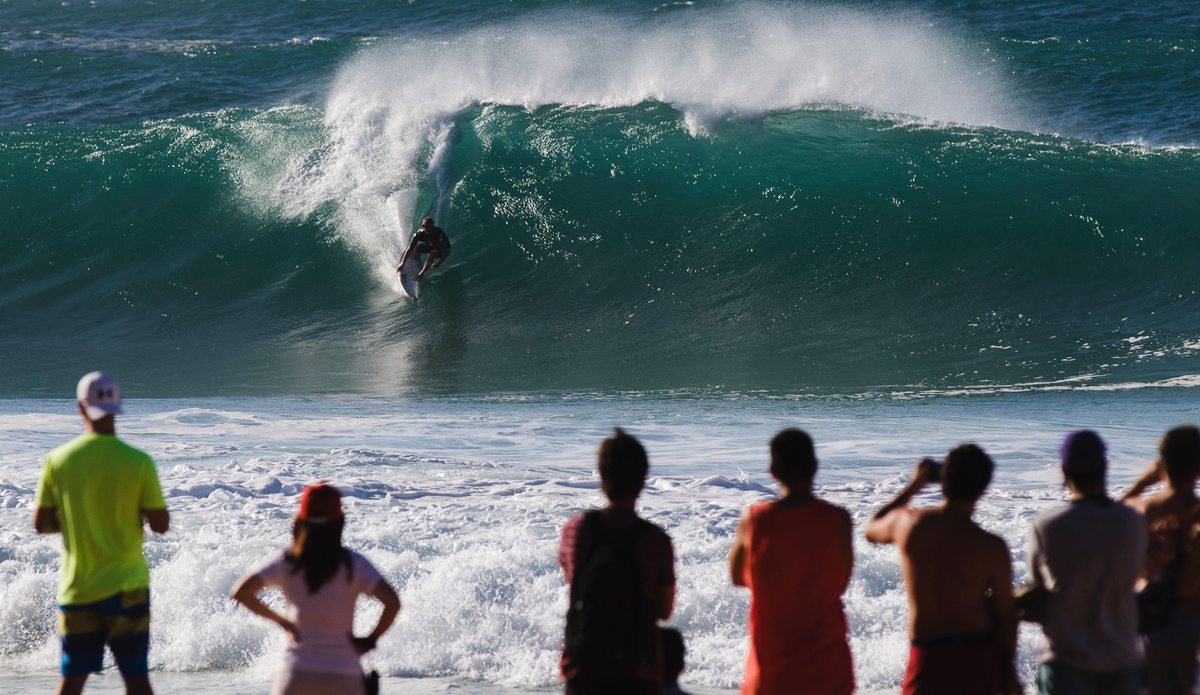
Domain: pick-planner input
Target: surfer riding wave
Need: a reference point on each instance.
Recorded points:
(428, 240)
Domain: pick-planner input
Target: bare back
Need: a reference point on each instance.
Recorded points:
(952, 568)
(1166, 513)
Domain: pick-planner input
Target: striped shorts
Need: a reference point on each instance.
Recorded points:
(122, 621)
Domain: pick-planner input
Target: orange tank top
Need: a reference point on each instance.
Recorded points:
(796, 573)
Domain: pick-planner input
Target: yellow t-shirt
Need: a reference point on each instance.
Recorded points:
(100, 485)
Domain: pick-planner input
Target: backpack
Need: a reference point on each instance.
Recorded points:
(610, 626)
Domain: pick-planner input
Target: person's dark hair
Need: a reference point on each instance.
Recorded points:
(1083, 458)
(673, 651)
(966, 473)
(1180, 454)
(792, 457)
(317, 550)
(623, 466)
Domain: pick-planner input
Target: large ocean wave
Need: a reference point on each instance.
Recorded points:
(791, 199)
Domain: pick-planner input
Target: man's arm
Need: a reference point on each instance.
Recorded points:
(666, 597)
(883, 526)
(845, 531)
(160, 519)
(45, 520)
(737, 554)
(412, 244)
(1153, 475)
(666, 602)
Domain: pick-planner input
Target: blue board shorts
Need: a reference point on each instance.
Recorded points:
(122, 621)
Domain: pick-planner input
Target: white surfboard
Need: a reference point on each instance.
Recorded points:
(408, 277)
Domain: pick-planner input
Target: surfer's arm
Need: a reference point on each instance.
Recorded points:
(407, 252)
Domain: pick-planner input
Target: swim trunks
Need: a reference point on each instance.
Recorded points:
(122, 621)
(960, 664)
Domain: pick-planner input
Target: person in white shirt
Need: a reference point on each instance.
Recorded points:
(321, 581)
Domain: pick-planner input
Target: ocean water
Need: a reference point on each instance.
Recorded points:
(900, 225)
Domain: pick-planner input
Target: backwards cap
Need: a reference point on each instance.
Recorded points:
(320, 504)
(99, 394)
(1083, 452)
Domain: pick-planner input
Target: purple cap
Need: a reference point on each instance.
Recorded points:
(1083, 452)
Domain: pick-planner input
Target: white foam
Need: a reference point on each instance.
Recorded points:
(459, 503)
(391, 108)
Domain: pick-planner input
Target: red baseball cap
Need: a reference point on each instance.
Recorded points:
(320, 504)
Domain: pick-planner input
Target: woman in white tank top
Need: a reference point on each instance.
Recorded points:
(321, 581)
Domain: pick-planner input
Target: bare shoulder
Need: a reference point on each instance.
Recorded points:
(908, 520)
(916, 516)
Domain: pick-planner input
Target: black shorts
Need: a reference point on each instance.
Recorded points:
(426, 248)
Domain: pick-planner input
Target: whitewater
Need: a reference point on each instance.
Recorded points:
(899, 227)
(459, 503)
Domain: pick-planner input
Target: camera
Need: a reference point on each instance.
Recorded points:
(935, 470)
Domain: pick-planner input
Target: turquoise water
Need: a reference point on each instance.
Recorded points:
(899, 225)
(827, 198)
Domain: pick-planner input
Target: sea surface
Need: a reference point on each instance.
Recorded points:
(899, 225)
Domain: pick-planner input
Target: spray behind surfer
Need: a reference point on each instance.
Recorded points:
(428, 240)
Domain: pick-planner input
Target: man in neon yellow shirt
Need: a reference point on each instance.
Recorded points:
(95, 490)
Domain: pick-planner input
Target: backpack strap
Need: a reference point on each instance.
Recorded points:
(593, 528)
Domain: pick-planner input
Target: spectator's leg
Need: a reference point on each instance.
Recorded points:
(129, 640)
(71, 685)
(139, 685)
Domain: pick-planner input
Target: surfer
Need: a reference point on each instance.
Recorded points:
(431, 240)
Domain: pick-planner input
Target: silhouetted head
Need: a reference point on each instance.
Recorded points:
(623, 466)
(793, 461)
(966, 473)
(1179, 451)
(427, 222)
(1083, 459)
(673, 651)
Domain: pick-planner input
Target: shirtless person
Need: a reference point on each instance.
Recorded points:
(431, 240)
(1171, 517)
(961, 619)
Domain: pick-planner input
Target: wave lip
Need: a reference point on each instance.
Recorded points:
(395, 102)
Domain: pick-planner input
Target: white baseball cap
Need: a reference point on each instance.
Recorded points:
(99, 394)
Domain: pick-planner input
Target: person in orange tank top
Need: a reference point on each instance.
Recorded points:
(795, 555)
